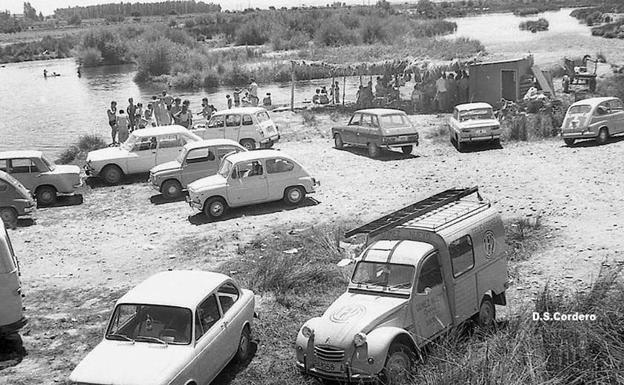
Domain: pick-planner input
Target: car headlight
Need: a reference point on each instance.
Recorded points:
(359, 339)
(307, 332)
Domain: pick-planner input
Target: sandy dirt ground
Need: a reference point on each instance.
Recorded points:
(78, 259)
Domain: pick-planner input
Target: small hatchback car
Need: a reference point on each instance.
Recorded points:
(143, 150)
(249, 178)
(175, 328)
(197, 160)
(15, 200)
(377, 128)
(473, 122)
(594, 118)
(252, 127)
(40, 175)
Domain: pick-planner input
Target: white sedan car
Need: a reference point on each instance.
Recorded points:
(175, 328)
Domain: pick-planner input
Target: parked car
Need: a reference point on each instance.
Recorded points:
(197, 160)
(473, 122)
(40, 175)
(377, 128)
(175, 328)
(144, 149)
(12, 317)
(249, 178)
(427, 268)
(15, 200)
(594, 118)
(252, 127)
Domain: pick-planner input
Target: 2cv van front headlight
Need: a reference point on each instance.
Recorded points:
(359, 339)
(307, 331)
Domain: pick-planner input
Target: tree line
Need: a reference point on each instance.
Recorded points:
(136, 9)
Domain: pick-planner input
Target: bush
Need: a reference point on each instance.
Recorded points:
(74, 20)
(111, 46)
(157, 58)
(252, 33)
(332, 33)
(211, 80)
(84, 144)
(68, 155)
(89, 57)
(187, 81)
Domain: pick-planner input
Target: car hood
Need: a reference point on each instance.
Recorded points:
(207, 183)
(479, 123)
(174, 165)
(107, 154)
(353, 313)
(66, 169)
(126, 363)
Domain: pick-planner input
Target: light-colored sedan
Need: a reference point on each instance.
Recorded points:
(143, 150)
(175, 328)
(251, 177)
(593, 118)
(473, 122)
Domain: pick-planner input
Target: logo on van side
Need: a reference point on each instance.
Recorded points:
(489, 243)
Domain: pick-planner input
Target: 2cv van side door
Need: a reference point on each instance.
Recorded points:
(430, 308)
(461, 252)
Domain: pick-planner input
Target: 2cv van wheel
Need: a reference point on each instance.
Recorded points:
(487, 313)
(244, 346)
(603, 136)
(46, 195)
(373, 150)
(569, 141)
(249, 144)
(338, 143)
(9, 217)
(112, 174)
(407, 149)
(214, 208)
(399, 363)
(294, 195)
(171, 189)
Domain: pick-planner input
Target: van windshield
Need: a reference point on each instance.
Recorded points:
(581, 109)
(154, 324)
(383, 274)
(225, 169)
(182, 155)
(262, 116)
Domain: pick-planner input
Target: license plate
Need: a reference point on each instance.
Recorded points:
(402, 138)
(328, 366)
(480, 132)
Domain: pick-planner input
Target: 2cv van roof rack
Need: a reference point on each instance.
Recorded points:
(419, 210)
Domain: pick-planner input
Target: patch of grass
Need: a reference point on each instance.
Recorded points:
(538, 25)
(83, 145)
(439, 134)
(523, 237)
(309, 118)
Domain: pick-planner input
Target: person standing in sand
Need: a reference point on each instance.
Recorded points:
(253, 92)
(123, 125)
(229, 101)
(236, 95)
(131, 110)
(112, 120)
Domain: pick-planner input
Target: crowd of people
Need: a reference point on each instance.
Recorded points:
(323, 97)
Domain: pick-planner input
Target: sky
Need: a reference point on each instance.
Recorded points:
(48, 6)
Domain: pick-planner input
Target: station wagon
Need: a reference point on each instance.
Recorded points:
(143, 150)
(15, 200)
(377, 128)
(175, 328)
(12, 317)
(473, 122)
(426, 268)
(197, 160)
(594, 118)
(251, 177)
(252, 127)
(40, 175)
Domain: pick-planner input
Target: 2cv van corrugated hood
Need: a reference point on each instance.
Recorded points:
(352, 313)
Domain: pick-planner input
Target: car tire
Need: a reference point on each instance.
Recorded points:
(373, 150)
(249, 144)
(171, 189)
(496, 143)
(399, 363)
(407, 149)
(9, 217)
(215, 208)
(112, 174)
(244, 346)
(338, 143)
(46, 195)
(487, 313)
(460, 146)
(294, 195)
(569, 141)
(603, 136)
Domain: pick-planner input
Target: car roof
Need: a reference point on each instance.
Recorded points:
(240, 110)
(594, 101)
(472, 106)
(211, 142)
(20, 154)
(257, 154)
(380, 111)
(402, 252)
(182, 288)
(160, 130)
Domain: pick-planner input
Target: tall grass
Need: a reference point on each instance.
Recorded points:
(83, 145)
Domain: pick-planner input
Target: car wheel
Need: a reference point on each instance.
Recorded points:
(496, 143)
(338, 143)
(244, 346)
(569, 141)
(373, 150)
(171, 189)
(112, 174)
(215, 208)
(294, 195)
(407, 149)
(460, 145)
(9, 217)
(399, 363)
(46, 195)
(249, 144)
(603, 136)
(487, 313)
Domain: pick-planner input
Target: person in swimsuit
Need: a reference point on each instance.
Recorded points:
(123, 124)
(112, 120)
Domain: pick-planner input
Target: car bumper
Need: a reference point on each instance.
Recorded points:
(399, 145)
(347, 376)
(193, 204)
(89, 170)
(483, 138)
(578, 134)
(13, 327)
(268, 142)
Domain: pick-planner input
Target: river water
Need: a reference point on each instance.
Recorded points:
(48, 114)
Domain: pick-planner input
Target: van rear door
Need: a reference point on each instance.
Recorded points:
(11, 317)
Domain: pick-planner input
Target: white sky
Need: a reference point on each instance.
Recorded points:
(48, 6)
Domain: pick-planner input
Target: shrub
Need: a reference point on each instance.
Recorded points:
(109, 43)
(252, 33)
(372, 31)
(309, 118)
(534, 25)
(74, 20)
(332, 33)
(156, 58)
(89, 57)
(68, 155)
(211, 80)
(192, 80)
(91, 142)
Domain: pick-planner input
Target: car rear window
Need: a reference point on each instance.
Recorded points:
(477, 113)
(393, 121)
(580, 109)
(262, 116)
